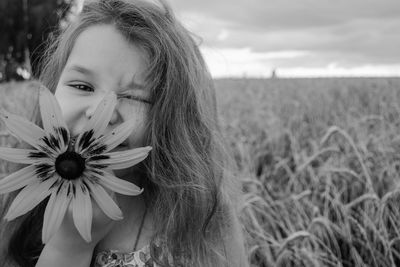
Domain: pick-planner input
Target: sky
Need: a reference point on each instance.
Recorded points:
(296, 38)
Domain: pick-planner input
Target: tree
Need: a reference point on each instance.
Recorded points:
(25, 26)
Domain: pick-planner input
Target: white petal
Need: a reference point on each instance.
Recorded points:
(102, 115)
(55, 212)
(105, 202)
(28, 198)
(52, 118)
(111, 139)
(118, 185)
(123, 159)
(18, 179)
(22, 128)
(99, 121)
(82, 212)
(118, 135)
(18, 155)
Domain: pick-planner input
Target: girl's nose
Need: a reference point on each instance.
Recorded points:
(90, 110)
(92, 104)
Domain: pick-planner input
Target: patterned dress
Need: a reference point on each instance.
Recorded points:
(138, 258)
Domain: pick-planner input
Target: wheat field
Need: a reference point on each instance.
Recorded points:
(320, 168)
(319, 165)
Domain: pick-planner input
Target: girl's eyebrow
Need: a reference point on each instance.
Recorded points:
(134, 85)
(81, 69)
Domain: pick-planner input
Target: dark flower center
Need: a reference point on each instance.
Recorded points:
(70, 165)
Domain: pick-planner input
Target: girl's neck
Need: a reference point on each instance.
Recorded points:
(135, 229)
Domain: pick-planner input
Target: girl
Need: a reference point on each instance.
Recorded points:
(186, 215)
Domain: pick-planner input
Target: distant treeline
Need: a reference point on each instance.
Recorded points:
(24, 28)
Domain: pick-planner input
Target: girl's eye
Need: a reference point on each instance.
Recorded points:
(134, 98)
(82, 87)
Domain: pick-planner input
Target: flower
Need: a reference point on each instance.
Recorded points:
(71, 171)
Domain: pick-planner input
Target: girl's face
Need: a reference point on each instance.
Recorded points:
(102, 60)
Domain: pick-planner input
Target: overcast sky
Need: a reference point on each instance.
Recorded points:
(296, 37)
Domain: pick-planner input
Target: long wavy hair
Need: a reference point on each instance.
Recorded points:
(186, 185)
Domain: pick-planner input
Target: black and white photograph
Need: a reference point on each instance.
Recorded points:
(166, 133)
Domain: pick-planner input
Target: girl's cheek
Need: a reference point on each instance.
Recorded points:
(137, 138)
(139, 114)
(73, 110)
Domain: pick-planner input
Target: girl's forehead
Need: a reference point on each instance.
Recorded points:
(104, 50)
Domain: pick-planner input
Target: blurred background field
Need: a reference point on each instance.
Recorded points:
(19, 98)
(319, 164)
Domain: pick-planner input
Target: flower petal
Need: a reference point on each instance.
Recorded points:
(23, 129)
(18, 179)
(98, 122)
(23, 156)
(117, 185)
(105, 202)
(111, 139)
(28, 198)
(52, 118)
(82, 212)
(118, 135)
(122, 159)
(55, 211)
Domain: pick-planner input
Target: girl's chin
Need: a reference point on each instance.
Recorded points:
(131, 174)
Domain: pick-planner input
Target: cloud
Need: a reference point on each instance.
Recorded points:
(244, 62)
(292, 14)
(349, 33)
